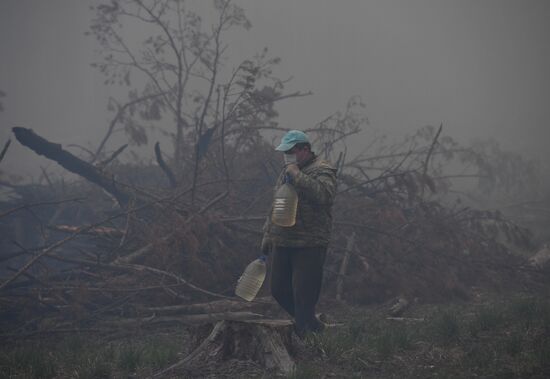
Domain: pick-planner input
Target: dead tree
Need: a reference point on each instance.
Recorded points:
(70, 162)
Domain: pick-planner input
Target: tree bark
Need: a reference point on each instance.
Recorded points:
(266, 342)
(55, 152)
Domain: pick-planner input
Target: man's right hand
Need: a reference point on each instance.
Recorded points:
(265, 246)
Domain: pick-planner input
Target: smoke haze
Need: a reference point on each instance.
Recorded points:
(478, 67)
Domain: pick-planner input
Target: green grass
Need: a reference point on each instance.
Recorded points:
(27, 362)
(504, 338)
(541, 350)
(333, 345)
(87, 358)
(390, 339)
(513, 344)
(129, 357)
(159, 353)
(487, 319)
(305, 371)
(501, 338)
(445, 327)
(93, 366)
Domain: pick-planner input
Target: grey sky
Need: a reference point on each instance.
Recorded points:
(480, 67)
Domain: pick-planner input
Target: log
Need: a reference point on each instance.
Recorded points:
(70, 162)
(216, 306)
(183, 320)
(266, 342)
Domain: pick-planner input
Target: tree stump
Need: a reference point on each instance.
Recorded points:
(265, 342)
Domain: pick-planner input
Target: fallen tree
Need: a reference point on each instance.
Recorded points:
(70, 162)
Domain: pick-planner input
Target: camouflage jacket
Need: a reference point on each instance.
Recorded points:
(316, 188)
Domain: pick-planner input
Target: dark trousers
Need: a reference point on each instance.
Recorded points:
(296, 277)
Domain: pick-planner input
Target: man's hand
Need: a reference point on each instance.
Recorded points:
(293, 170)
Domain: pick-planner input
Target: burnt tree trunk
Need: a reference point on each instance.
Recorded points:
(266, 342)
(70, 162)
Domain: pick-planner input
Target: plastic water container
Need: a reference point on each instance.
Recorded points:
(285, 204)
(252, 279)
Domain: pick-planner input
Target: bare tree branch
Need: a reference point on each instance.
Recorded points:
(5, 149)
(428, 156)
(31, 205)
(112, 124)
(164, 166)
(113, 156)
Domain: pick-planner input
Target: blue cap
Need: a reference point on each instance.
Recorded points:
(290, 139)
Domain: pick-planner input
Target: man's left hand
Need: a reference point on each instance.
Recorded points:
(292, 169)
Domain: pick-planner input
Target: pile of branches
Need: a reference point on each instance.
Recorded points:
(400, 234)
(124, 252)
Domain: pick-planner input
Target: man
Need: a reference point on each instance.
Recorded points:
(299, 251)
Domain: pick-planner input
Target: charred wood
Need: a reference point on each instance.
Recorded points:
(70, 162)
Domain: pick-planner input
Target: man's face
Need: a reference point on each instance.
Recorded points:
(301, 154)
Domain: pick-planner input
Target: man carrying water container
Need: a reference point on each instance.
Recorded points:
(299, 250)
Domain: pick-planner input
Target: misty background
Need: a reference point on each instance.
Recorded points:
(478, 67)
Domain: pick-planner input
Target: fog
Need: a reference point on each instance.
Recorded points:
(478, 67)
